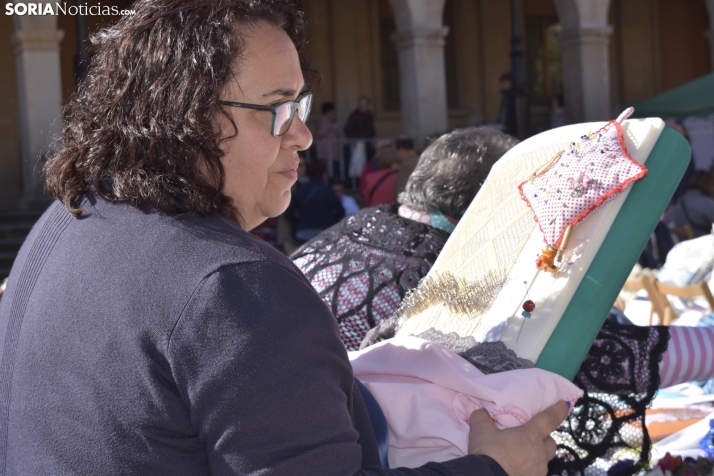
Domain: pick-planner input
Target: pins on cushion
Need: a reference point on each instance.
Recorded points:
(528, 305)
(577, 181)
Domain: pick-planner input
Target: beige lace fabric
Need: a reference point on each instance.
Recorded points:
(485, 245)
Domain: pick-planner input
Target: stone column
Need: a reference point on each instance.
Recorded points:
(586, 73)
(584, 42)
(420, 40)
(36, 43)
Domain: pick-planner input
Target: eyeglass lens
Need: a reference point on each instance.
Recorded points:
(284, 114)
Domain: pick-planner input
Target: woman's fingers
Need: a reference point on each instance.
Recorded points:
(550, 447)
(547, 421)
(481, 418)
(523, 450)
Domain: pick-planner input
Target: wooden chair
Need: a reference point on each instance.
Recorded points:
(685, 292)
(660, 305)
(684, 232)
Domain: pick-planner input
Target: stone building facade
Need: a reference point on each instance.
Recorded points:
(427, 65)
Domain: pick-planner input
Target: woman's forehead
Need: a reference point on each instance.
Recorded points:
(269, 68)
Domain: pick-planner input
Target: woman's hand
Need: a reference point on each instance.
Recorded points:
(523, 450)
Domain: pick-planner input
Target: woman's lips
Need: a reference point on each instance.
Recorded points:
(290, 173)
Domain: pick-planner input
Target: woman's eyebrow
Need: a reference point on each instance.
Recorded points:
(281, 92)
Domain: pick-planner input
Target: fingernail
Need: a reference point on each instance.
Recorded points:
(568, 403)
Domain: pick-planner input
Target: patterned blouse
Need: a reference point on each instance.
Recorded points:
(363, 266)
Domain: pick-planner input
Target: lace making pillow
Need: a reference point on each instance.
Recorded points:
(485, 284)
(580, 179)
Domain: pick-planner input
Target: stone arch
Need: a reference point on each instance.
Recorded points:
(411, 14)
(582, 13)
(567, 13)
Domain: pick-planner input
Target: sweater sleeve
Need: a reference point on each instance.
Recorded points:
(257, 359)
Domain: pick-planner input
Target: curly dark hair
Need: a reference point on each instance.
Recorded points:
(140, 128)
(452, 169)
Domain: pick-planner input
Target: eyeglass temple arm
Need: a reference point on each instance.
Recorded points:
(249, 106)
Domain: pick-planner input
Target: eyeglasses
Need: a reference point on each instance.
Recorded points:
(283, 112)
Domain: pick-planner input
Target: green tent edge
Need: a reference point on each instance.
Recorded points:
(639, 215)
(695, 98)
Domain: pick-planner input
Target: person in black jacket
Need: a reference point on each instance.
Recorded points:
(507, 111)
(695, 207)
(314, 207)
(360, 124)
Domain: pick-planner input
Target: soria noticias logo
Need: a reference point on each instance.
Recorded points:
(63, 9)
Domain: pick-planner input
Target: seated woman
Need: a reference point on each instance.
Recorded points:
(375, 256)
(144, 330)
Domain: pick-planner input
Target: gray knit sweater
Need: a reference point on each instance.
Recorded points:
(132, 342)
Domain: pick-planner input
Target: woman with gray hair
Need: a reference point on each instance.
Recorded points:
(375, 256)
(452, 169)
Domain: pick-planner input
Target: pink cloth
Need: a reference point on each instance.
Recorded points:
(427, 394)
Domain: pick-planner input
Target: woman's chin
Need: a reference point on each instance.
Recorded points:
(278, 207)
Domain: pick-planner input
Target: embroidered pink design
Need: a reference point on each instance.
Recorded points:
(579, 184)
(587, 174)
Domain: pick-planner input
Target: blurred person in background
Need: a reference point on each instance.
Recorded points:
(379, 184)
(407, 159)
(327, 133)
(507, 112)
(360, 128)
(314, 207)
(285, 234)
(557, 112)
(695, 208)
(348, 203)
(370, 166)
(691, 167)
(360, 123)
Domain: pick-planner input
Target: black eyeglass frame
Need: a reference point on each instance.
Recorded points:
(273, 109)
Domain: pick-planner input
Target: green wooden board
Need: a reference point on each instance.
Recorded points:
(571, 340)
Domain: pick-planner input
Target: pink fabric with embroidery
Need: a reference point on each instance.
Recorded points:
(427, 394)
(588, 174)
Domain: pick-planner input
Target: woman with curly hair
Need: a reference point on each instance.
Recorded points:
(144, 330)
